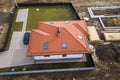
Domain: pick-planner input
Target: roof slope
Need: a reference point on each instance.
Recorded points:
(74, 33)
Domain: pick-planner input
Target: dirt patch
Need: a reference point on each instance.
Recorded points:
(2, 1)
(107, 12)
(107, 53)
(3, 32)
(7, 5)
(4, 18)
(109, 22)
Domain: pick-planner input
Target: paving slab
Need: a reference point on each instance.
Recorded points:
(22, 17)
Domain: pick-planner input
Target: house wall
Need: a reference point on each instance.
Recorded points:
(60, 58)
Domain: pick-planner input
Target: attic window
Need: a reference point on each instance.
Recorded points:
(46, 46)
(80, 37)
(66, 22)
(64, 45)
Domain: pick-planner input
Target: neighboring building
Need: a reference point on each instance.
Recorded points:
(59, 40)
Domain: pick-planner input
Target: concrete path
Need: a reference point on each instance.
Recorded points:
(22, 17)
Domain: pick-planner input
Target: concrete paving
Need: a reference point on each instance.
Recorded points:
(22, 17)
(16, 55)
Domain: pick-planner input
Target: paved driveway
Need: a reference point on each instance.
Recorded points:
(16, 55)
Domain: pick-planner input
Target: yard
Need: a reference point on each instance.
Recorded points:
(44, 13)
(36, 14)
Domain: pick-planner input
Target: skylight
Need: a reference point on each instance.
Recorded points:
(66, 22)
(80, 37)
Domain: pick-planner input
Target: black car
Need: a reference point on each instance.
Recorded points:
(26, 37)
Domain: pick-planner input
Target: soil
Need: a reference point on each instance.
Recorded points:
(109, 22)
(106, 60)
(3, 32)
(108, 52)
(4, 19)
(107, 12)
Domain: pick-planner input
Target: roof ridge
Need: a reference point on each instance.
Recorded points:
(47, 24)
(76, 24)
(41, 32)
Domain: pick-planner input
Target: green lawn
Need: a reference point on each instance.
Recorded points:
(47, 13)
(17, 26)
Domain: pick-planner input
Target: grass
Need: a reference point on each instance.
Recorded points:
(9, 40)
(47, 13)
(16, 26)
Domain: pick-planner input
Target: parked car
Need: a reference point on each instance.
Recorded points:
(26, 37)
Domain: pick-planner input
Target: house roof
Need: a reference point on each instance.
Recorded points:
(80, 24)
(75, 31)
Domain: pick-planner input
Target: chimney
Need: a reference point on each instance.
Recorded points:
(58, 32)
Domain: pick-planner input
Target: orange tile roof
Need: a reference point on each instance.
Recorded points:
(74, 33)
